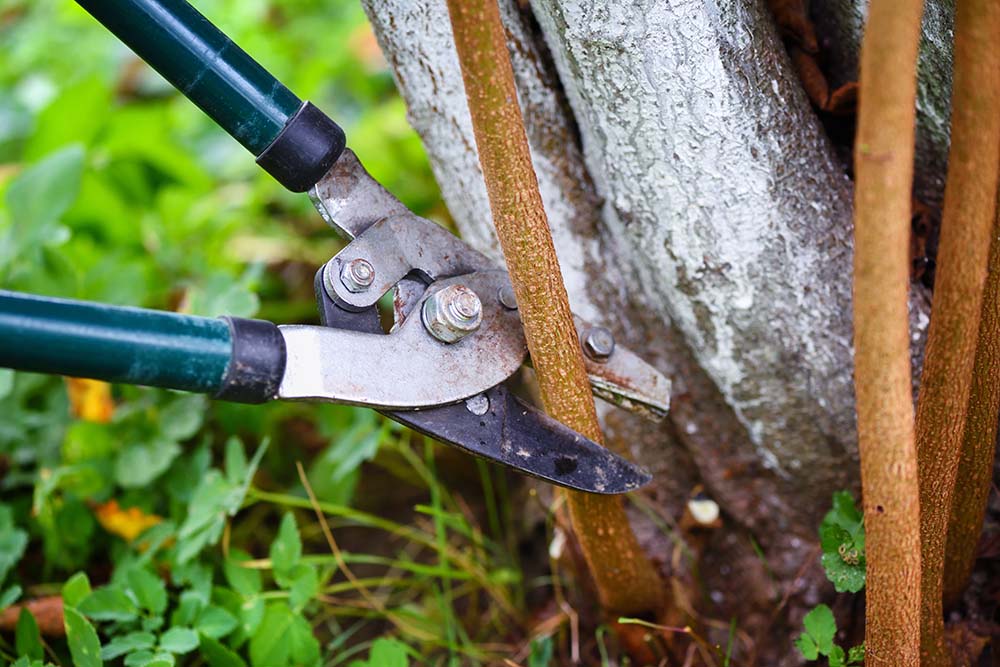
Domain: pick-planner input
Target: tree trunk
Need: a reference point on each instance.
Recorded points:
(699, 211)
(843, 22)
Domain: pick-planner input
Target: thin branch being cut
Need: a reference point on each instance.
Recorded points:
(625, 578)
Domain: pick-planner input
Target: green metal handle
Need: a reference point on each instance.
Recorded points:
(293, 140)
(233, 359)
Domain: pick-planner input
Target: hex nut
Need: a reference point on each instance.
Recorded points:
(452, 313)
(357, 275)
(599, 343)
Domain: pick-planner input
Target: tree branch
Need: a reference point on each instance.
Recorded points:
(626, 580)
(975, 469)
(966, 229)
(884, 171)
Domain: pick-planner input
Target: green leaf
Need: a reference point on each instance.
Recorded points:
(270, 645)
(88, 441)
(283, 638)
(387, 652)
(198, 577)
(235, 500)
(832, 536)
(218, 655)
(122, 644)
(213, 499)
(13, 541)
(286, 550)
(541, 652)
(149, 590)
(236, 461)
(856, 655)
(9, 596)
(182, 417)
(188, 607)
(251, 616)
(842, 538)
(74, 115)
(25, 661)
(75, 589)
(846, 578)
(822, 627)
(109, 603)
(82, 639)
(141, 463)
(244, 580)
(215, 622)
(179, 640)
(6, 382)
(303, 645)
(146, 658)
(221, 295)
(836, 657)
(845, 511)
(304, 586)
(27, 638)
(334, 473)
(807, 647)
(43, 192)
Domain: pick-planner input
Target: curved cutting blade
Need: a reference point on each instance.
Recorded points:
(498, 426)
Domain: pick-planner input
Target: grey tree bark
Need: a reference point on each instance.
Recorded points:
(698, 210)
(842, 22)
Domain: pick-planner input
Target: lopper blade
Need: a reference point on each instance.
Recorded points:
(514, 434)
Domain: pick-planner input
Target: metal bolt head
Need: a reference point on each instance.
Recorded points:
(478, 405)
(452, 313)
(599, 343)
(357, 275)
(507, 298)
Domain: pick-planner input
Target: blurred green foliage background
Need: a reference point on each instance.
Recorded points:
(115, 188)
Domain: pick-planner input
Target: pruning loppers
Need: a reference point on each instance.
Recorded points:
(444, 368)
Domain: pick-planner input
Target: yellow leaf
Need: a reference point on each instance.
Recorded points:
(90, 399)
(126, 523)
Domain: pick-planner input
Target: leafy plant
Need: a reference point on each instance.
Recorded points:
(13, 541)
(842, 537)
(384, 653)
(817, 640)
(114, 188)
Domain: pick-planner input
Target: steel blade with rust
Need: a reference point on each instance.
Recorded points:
(514, 434)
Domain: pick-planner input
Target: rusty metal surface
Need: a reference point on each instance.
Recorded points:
(625, 380)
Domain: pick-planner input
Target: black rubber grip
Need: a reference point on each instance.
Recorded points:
(257, 363)
(304, 150)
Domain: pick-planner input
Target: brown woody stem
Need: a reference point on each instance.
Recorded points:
(975, 469)
(957, 413)
(625, 578)
(883, 174)
(966, 229)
